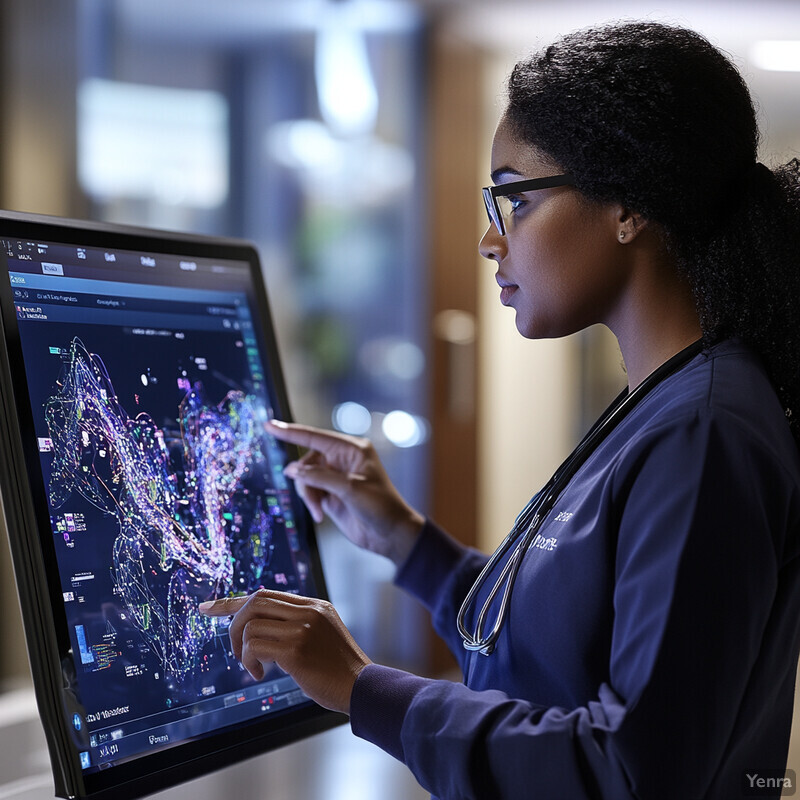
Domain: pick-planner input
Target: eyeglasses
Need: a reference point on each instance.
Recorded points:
(499, 199)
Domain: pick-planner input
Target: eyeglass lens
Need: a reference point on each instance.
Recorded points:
(492, 212)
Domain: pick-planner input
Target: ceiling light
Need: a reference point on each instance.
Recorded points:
(776, 55)
(348, 97)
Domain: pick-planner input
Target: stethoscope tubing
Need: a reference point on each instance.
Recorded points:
(531, 518)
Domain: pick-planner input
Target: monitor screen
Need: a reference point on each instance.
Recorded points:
(138, 482)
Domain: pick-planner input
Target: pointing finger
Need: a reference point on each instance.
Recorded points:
(223, 607)
(226, 606)
(308, 436)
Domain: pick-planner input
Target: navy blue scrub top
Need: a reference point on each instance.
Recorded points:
(651, 645)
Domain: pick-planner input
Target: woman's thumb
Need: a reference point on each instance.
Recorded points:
(319, 477)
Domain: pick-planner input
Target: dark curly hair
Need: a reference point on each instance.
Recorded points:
(656, 118)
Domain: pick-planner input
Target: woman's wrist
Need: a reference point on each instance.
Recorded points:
(404, 536)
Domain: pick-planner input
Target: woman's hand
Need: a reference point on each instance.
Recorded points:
(304, 636)
(342, 476)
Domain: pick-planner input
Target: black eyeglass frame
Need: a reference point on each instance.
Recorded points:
(491, 193)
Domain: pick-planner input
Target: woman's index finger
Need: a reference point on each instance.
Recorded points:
(307, 436)
(228, 606)
(223, 607)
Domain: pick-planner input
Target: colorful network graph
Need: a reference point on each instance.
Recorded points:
(189, 525)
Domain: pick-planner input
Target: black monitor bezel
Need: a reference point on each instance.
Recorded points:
(30, 535)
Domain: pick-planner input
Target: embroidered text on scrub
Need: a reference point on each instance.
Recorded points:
(545, 544)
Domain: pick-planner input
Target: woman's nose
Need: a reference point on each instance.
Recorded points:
(492, 245)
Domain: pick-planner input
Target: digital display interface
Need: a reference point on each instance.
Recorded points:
(148, 388)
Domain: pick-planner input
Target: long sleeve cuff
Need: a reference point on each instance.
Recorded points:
(378, 705)
(430, 564)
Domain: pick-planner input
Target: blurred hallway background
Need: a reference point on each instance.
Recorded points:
(348, 139)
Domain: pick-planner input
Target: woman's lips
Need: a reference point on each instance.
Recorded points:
(507, 290)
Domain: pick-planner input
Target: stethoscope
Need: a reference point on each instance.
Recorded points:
(530, 519)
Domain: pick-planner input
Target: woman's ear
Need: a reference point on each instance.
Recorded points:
(629, 224)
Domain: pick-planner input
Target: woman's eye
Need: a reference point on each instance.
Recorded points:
(515, 201)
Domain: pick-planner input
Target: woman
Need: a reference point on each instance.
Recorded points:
(649, 644)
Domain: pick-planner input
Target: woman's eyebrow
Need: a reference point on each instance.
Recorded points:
(501, 172)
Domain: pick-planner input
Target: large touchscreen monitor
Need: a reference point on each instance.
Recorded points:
(136, 371)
